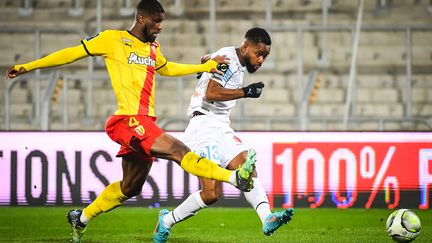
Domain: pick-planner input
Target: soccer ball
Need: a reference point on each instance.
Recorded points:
(403, 225)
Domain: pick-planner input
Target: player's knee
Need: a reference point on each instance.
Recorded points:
(179, 151)
(131, 189)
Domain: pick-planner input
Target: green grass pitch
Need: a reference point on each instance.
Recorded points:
(133, 224)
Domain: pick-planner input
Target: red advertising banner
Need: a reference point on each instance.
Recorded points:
(340, 171)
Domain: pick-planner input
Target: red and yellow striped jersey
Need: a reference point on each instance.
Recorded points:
(132, 66)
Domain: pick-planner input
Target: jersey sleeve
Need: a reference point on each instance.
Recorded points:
(160, 59)
(99, 44)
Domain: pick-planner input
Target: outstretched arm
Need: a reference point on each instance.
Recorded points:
(178, 69)
(58, 58)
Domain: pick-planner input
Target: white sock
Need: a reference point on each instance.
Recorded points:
(84, 219)
(232, 178)
(186, 209)
(257, 198)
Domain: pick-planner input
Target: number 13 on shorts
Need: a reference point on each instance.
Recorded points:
(211, 152)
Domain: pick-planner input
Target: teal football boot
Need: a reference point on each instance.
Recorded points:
(161, 233)
(276, 220)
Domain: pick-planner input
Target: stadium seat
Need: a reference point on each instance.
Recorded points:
(262, 109)
(21, 111)
(104, 110)
(327, 109)
(423, 110)
(75, 111)
(375, 81)
(387, 95)
(379, 110)
(276, 95)
(20, 96)
(334, 95)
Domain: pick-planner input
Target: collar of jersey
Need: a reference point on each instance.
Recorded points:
(150, 43)
(239, 65)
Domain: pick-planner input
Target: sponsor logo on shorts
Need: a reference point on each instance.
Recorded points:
(202, 154)
(139, 130)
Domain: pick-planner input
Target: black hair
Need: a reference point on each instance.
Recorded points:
(258, 35)
(150, 7)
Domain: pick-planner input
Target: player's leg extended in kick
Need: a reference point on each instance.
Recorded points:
(168, 147)
(135, 171)
(257, 198)
(210, 193)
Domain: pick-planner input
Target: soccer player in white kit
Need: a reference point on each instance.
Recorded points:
(209, 133)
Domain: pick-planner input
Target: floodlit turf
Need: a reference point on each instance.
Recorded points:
(132, 224)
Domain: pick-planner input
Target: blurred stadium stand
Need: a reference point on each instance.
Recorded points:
(392, 89)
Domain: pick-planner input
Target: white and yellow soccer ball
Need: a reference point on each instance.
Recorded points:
(403, 225)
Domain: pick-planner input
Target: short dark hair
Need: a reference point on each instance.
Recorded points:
(150, 7)
(258, 35)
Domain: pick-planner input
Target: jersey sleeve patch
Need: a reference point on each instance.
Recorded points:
(91, 37)
(226, 77)
(100, 44)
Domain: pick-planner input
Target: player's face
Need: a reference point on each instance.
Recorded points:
(255, 56)
(152, 26)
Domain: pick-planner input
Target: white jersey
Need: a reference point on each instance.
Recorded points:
(232, 79)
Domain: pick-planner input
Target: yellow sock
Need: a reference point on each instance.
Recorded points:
(110, 198)
(203, 167)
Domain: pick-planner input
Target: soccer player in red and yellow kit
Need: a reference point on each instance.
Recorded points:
(132, 58)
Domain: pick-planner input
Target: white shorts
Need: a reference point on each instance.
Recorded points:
(213, 139)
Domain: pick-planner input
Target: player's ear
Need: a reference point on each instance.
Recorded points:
(140, 18)
(244, 47)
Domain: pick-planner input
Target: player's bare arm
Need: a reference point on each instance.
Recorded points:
(216, 92)
(61, 57)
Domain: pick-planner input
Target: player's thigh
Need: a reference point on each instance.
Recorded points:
(166, 146)
(203, 136)
(233, 151)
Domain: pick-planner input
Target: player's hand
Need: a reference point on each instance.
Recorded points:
(253, 90)
(220, 60)
(205, 58)
(11, 72)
